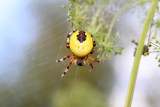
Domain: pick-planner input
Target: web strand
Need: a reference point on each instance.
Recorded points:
(74, 82)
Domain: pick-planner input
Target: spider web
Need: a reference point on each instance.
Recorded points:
(24, 48)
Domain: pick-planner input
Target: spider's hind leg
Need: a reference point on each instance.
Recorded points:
(90, 64)
(62, 59)
(72, 61)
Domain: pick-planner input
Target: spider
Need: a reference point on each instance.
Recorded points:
(81, 44)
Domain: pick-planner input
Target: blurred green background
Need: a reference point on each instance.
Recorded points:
(33, 35)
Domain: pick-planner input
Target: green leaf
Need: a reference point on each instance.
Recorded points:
(146, 53)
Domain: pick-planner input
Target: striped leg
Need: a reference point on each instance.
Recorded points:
(68, 37)
(62, 59)
(93, 59)
(67, 45)
(90, 64)
(94, 43)
(67, 67)
(92, 51)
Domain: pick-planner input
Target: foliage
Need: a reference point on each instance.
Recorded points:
(154, 43)
(134, 73)
(155, 48)
(86, 15)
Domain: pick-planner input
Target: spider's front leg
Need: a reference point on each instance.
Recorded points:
(92, 51)
(94, 43)
(67, 67)
(68, 36)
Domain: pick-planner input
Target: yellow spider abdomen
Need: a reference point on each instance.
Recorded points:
(81, 44)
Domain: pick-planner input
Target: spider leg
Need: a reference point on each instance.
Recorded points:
(67, 45)
(92, 51)
(74, 30)
(68, 37)
(67, 67)
(62, 59)
(94, 43)
(90, 64)
(93, 59)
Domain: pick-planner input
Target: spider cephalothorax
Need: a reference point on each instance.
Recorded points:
(80, 62)
(81, 44)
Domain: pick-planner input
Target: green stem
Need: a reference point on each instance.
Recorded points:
(118, 13)
(139, 53)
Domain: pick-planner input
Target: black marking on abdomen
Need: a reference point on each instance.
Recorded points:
(81, 36)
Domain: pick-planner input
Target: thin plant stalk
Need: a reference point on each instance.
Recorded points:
(139, 53)
(118, 13)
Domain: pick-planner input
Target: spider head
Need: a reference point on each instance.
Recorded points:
(80, 62)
